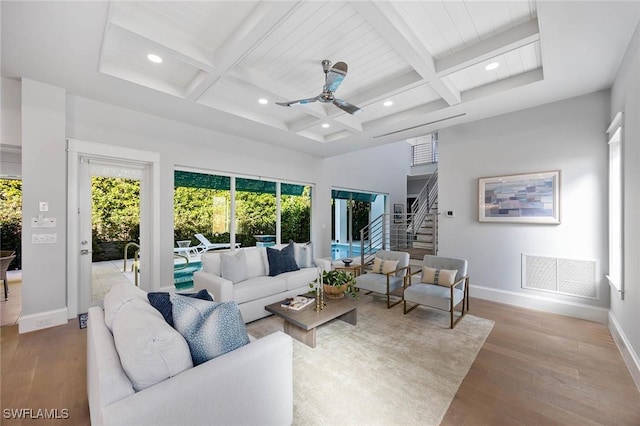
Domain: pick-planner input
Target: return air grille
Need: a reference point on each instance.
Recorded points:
(564, 276)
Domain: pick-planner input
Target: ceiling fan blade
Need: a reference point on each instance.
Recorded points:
(334, 77)
(298, 101)
(346, 106)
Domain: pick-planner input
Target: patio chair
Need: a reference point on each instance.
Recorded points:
(206, 245)
(6, 257)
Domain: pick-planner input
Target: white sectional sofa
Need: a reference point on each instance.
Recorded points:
(251, 385)
(258, 289)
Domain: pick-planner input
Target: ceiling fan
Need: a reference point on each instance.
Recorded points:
(333, 76)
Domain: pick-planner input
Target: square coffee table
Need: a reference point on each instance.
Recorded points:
(301, 325)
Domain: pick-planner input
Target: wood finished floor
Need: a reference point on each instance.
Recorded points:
(534, 369)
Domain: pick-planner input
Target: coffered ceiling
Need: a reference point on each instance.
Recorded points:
(427, 59)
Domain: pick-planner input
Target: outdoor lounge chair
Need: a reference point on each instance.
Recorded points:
(6, 257)
(206, 245)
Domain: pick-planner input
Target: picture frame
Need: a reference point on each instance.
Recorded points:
(520, 198)
(398, 213)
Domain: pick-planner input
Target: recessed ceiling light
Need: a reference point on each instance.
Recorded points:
(325, 125)
(492, 66)
(154, 58)
(387, 103)
(263, 101)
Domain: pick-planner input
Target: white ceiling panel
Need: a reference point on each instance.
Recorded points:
(121, 51)
(512, 63)
(204, 24)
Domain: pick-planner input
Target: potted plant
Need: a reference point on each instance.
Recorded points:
(336, 283)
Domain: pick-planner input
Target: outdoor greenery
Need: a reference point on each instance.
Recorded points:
(11, 219)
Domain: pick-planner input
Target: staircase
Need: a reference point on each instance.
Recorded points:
(415, 233)
(423, 223)
(426, 236)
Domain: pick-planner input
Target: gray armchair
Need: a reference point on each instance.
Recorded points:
(383, 281)
(442, 290)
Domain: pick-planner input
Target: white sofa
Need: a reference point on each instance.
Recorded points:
(258, 289)
(252, 385)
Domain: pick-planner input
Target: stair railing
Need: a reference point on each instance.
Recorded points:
(423, 204)
(373, 237)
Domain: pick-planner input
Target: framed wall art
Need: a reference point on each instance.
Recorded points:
(523, 198)
(398, 213)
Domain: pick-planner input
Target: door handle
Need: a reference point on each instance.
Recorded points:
(84, 251)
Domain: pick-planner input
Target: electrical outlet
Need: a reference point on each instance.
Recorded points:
(44, 238)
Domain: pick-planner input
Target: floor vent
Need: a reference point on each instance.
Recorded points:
(564, 276)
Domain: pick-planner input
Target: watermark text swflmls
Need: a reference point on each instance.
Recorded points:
(35, 413)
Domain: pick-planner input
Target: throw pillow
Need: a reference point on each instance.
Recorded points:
(438, 276)
(303, 253)
(384, 266)
(117, 297)
(234, 266)
(150, 350)
(211, 329)
(161, 301)
(281, 260)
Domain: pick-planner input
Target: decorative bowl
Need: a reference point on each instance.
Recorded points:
(347, 262)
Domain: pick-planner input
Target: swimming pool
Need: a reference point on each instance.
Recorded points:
(341, 250)
(183, 278)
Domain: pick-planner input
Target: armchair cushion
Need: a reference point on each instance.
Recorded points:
(433, 295)
(438, 276)
(211, 329)
(381, 266)
(378, 282)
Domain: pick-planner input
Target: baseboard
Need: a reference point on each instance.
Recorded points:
(42, 320)
(531, 301)
(628, 354)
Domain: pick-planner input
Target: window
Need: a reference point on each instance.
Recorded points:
(615, 276)
(206, 204)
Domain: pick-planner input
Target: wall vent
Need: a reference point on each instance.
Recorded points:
(563, 276)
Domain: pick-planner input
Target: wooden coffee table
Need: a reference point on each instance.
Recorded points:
(301, 325)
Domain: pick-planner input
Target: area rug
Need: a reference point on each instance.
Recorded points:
(389, 369)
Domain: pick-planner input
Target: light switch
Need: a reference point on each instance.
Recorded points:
(44, 206)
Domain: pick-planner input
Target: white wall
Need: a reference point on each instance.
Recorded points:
(382, 169)
(44, 179)
(625, 97)
(568, 136)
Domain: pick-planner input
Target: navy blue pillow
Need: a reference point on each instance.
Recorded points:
(161, 301)
(281, 260)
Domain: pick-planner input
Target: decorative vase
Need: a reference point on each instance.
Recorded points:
(334, 291)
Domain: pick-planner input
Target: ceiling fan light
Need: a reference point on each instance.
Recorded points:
(154, 58)
(492, 66)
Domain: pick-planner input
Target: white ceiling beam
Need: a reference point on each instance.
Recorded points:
(386, 19)
(387, 88)
(503, 85)
(159, 46)
(502, 43)
(262, 21)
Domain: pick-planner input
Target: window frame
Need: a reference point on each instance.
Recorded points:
(615, 144)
